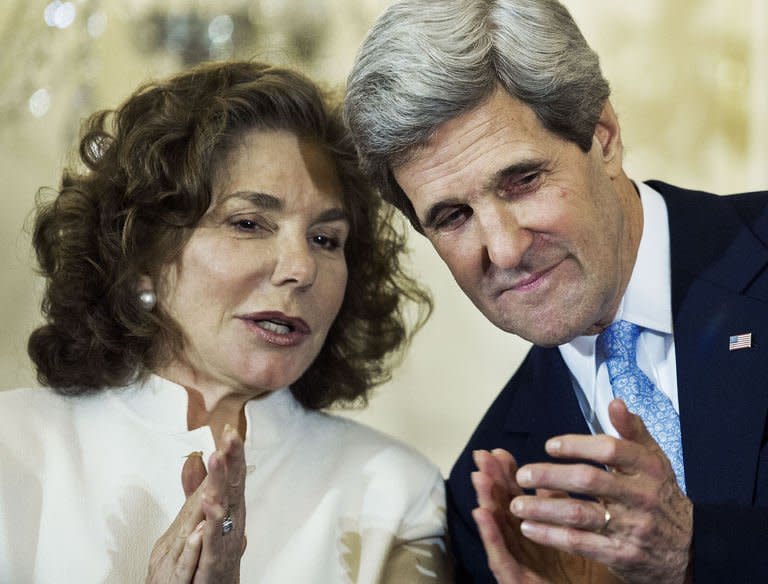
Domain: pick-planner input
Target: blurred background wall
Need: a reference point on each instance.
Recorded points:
(690, 85)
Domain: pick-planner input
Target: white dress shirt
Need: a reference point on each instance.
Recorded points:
(647, 302)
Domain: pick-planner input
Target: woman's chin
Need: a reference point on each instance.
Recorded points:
(261, 384)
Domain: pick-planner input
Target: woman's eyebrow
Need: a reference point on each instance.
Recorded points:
(273, 203)
(262, 200)
(335, 214)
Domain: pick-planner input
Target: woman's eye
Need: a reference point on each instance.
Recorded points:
(246, 224)
(454, 217)
(326, 242)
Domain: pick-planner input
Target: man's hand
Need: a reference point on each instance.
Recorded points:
(495, 486)
(646, 534)
(512, 558)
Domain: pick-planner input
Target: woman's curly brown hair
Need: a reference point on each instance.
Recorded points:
(147, 180)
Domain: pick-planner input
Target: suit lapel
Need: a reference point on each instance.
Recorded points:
(715, 259)
(544, 406)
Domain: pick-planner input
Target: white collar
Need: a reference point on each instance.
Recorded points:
(162, 405)
(647, 300)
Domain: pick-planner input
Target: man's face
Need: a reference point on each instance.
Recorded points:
(535, 231)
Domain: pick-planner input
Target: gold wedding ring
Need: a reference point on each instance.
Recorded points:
(606, 521)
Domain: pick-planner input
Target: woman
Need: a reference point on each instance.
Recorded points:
(216, 273)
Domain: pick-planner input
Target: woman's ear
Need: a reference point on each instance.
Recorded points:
(144, 283)
(608, 138)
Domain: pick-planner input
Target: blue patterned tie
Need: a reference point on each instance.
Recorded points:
(618, 344)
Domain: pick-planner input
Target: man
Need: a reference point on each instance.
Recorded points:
(489, 124)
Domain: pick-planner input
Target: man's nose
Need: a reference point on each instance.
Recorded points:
(504, 240)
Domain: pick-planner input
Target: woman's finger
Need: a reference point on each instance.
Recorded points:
(224, 506)
(235, 463)
(214, 533)
(216, 485)
(185, 522)
(186, 565)
(193, 473)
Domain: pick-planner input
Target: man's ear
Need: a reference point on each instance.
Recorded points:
(608, 139)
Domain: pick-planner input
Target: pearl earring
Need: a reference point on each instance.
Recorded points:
(147, 299)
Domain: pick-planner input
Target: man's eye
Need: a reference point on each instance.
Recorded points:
(523, 184)
(453, 218)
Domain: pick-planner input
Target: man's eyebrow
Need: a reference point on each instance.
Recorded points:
(492, 184)
(513, 170)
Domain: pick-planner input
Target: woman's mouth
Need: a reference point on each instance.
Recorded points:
(277, 328)
(274, 326)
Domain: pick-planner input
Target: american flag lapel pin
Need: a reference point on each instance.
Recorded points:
(742, 341)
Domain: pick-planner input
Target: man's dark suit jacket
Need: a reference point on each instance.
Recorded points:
(719, 261)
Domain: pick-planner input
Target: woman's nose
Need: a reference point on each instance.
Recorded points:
(295, 265)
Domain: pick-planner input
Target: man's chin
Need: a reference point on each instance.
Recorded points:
(541, 336)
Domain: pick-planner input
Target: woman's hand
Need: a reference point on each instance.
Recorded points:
(175, 555)
(223, 503)
(197, 547)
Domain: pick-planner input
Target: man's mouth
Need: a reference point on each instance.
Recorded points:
(528, 282)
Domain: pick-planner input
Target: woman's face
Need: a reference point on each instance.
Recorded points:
(263, 275)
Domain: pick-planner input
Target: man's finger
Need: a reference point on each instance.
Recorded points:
(562, 511)
(551, 494)
(508, 466)
(624, 454)
(584, 479)
(500, 561)
(495, 498)
(629, 426)
(484, 489)
(488, 464)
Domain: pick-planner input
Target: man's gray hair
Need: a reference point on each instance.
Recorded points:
(425, 62)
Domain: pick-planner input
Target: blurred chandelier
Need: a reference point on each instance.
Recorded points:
(53, 59)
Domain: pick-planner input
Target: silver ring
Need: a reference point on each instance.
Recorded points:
(227, 524)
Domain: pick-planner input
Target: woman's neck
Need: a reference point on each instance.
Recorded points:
(229, 409)
(210, 402)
